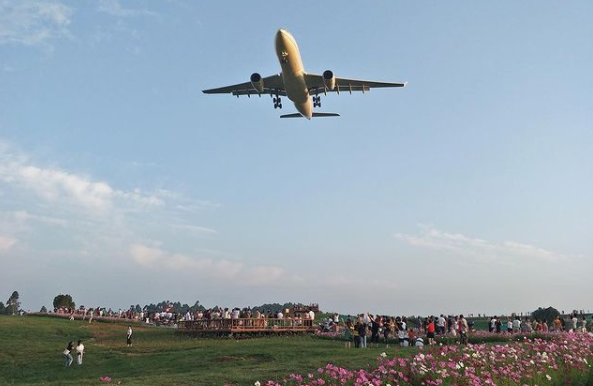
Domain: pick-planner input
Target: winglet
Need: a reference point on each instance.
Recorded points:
(315, 115)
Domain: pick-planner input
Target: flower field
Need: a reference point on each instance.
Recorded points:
(561, 359)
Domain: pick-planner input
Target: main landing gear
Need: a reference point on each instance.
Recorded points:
(277, 102)
(316, 101)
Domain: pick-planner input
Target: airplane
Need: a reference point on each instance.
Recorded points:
(300, 87)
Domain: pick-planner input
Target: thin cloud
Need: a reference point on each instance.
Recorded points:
(459, 244)
(23, 216)
(157, 259)
(33, 22)
(195, 229)
(114, 8)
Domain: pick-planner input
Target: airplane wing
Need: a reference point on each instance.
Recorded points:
(272, 85)
(316, 84)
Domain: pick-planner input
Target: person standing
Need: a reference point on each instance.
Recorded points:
(557, 324)
(374, 329)
(348, 333)
(129, 336)
(492, 326)
(362, 334)
(430, 330)
(68, 354)
(463, 329)
(517, 324)
(574, 320)
(441, 323)
(355, 335)
(79, 352)
(498, 326)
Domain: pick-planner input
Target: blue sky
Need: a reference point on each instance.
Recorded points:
(467, 191)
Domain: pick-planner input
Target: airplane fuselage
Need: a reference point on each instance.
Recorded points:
(293, 72)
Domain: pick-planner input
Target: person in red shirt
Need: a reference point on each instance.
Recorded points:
(430, 328)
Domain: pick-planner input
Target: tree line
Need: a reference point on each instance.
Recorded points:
(12, 306)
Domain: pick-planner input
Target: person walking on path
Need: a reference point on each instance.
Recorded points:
(68, 354)
(129, 336)
(79, 352)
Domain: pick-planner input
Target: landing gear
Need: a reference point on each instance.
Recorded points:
(316, 101)
(277, 102)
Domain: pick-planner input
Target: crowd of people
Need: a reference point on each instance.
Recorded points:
(89, 314)
(383, 328)
(514, 324)
(249, 318)
(171, 318)
(367, 329)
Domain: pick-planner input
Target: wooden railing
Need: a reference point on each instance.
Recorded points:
(243, 325)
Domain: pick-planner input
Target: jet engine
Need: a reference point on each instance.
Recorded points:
(329, 80)
(257, 82)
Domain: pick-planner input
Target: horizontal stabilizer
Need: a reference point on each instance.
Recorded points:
(315, 115)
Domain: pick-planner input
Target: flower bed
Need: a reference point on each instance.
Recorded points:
(562, 359)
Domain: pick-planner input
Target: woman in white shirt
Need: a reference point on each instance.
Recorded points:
(79, 352)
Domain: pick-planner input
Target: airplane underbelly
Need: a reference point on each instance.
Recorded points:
(296, 88)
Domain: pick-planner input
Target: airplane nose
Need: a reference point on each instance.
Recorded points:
(281, 38)
(282, 34)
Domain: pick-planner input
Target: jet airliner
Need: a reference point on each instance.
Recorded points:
(302, 88)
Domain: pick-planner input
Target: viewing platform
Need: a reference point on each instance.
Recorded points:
(245, 326)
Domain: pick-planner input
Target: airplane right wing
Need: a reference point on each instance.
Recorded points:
(316, 84)
(273, 85)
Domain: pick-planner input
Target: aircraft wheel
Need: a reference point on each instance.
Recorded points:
(280, 105)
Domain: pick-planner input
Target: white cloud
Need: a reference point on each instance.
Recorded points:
(459, 244)
(6, 242)
(32, 22)
(58, 186)
(114, 8)
(157, 259)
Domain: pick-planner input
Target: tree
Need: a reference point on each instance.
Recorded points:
(546, 314)
(63, 301)
(2, 308)
(43, 309)
(13, 304)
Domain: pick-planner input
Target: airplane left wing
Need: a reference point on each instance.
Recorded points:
(316, 84)
(272, 85)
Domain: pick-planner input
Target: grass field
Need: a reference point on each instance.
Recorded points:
(31, 354)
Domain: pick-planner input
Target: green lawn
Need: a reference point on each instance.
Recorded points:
(31, 354)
